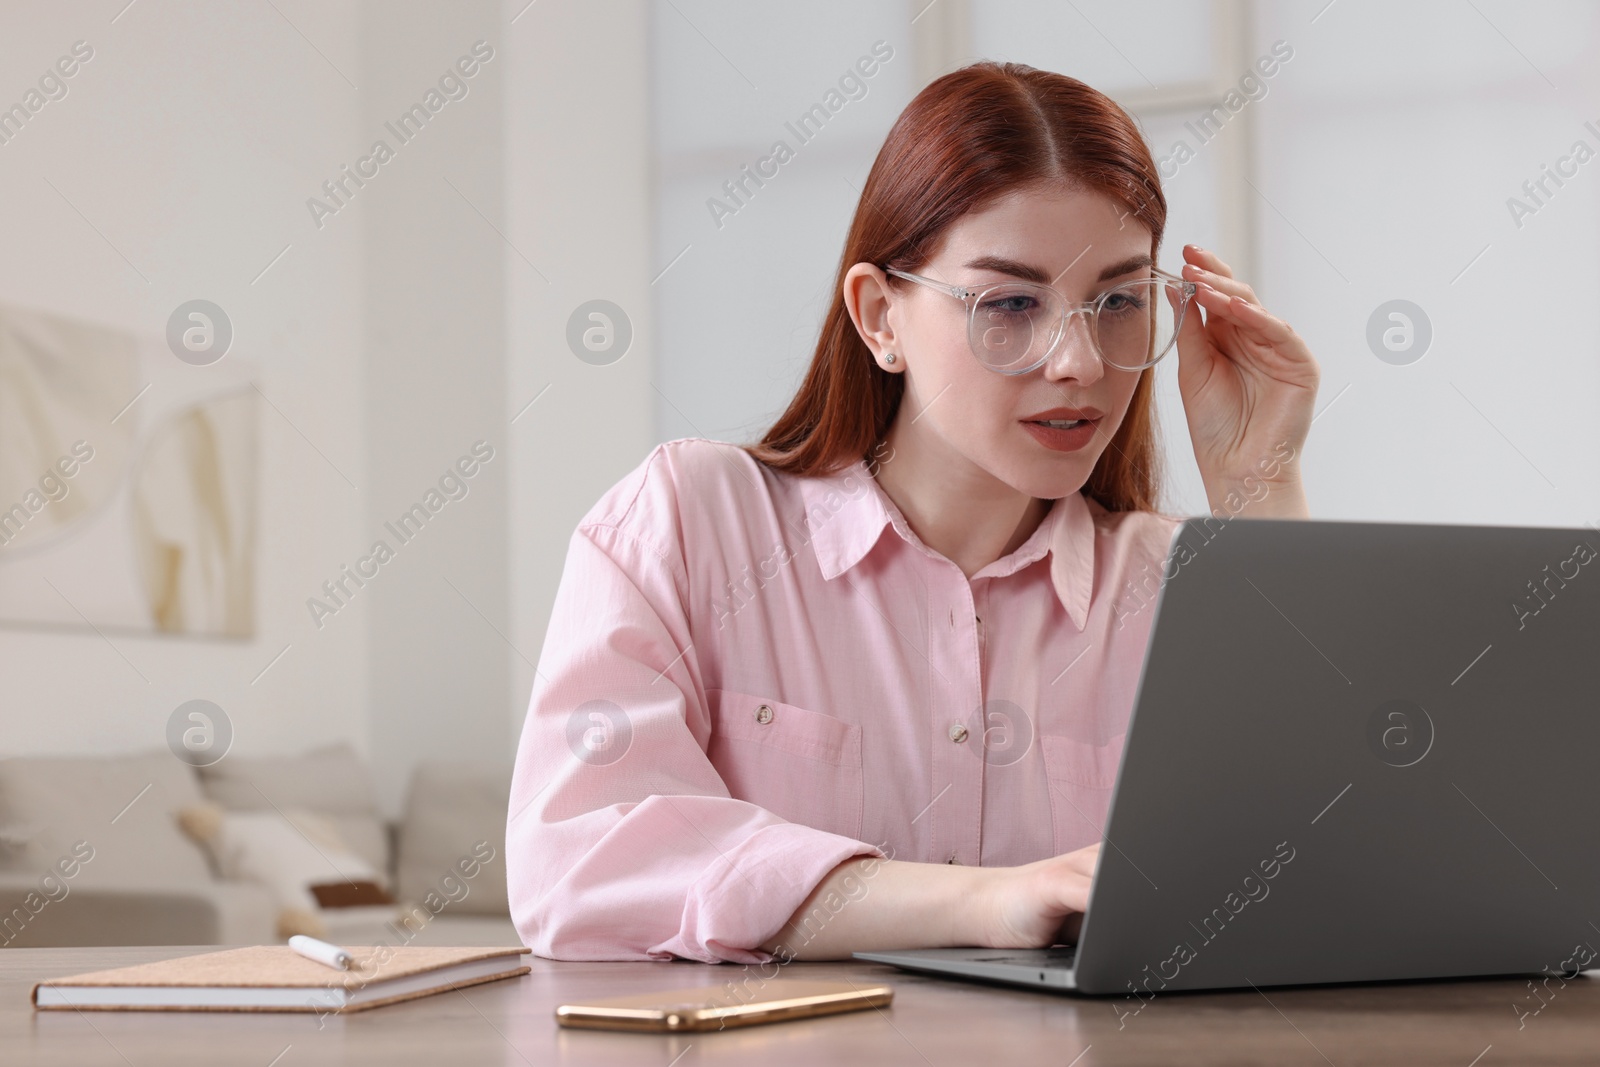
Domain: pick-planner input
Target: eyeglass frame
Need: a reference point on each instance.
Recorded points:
(966, 292)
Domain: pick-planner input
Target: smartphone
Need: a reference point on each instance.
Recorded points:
(724, 1006)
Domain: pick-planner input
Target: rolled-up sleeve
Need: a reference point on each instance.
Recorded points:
(622, 841)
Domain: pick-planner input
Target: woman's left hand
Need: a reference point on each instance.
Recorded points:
(1248, 384)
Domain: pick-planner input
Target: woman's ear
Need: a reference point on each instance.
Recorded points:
(868, 299)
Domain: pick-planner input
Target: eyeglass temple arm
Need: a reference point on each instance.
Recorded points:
(957, 291)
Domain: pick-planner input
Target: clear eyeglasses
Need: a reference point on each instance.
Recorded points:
(1014, 327)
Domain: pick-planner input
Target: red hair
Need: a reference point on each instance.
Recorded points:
(969, 137)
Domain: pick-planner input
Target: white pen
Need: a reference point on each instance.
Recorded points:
(324, 953)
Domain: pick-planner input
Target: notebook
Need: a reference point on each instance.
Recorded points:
(275, 978)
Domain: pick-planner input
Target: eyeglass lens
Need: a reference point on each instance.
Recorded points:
(1015, 326)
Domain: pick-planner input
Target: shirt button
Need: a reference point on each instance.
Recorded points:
(953, 859)
(764, 714)
(958, 733)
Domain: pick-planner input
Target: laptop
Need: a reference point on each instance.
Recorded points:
(1358, 752)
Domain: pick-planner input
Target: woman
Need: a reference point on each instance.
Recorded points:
(865, 685)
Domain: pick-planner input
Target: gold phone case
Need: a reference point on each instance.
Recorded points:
(723, 1006)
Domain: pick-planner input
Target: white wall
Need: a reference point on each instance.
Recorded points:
(578, 191)
(740, 311)
(435, 378)
(190, 142)
(193, 141)
(1392, 144)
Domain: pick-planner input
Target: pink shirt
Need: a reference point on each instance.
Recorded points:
(750, 677)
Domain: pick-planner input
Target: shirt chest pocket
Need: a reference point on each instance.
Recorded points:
(1081, 775)
(801, 765)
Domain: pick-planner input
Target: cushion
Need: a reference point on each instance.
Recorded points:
(296, 855)
(452, 837)
(332, 782)
(122, 807)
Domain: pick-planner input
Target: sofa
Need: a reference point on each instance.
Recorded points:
(93, 852)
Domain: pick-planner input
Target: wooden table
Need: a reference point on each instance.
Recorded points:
(932, 1021)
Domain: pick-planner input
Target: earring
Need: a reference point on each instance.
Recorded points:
(888, 357)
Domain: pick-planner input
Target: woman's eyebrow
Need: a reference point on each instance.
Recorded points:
(1001, 265)
(1127, 266)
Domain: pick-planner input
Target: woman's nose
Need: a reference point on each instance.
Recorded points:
(1075, 355)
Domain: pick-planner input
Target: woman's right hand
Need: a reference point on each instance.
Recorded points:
(1038, 904)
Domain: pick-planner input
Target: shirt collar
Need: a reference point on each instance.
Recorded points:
(846, 512)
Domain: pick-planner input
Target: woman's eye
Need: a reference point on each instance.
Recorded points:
(1123, 302)
(1011, 305)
